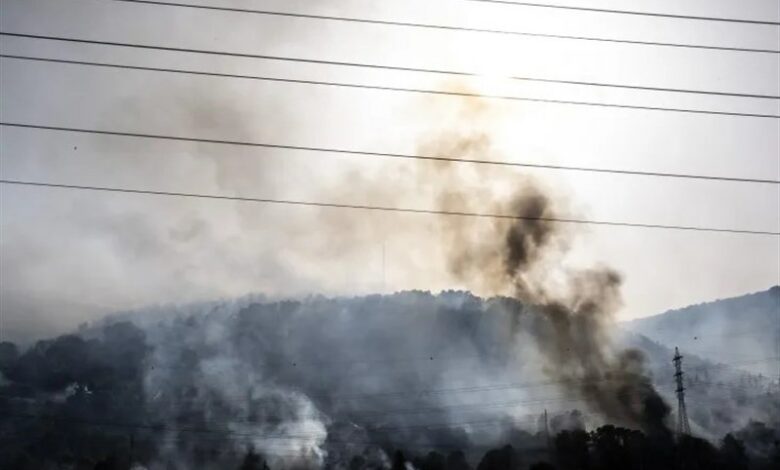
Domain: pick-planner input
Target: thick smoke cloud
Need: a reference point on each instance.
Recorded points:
(281, 369)
(315, 382)
(522, 254)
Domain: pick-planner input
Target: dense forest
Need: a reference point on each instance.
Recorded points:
(405, 381)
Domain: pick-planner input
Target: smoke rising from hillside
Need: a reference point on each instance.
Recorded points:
(522, 255)
(317, 382)
(274, 375)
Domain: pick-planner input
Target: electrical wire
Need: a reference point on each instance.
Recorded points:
(448, 28)
(366, 207)
(479, 388)
(398, 89)
(630, 12)
(219, 432)
(343, 151)
(353, 85)
(461, 408)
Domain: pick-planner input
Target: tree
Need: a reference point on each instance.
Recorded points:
(109, 463)
(610, 447)
(457, 461)
(253, 461)
(432, 461)
(571, 450)
(541, 466)
(9, 353)
(499, 459)
(732, 452)
(399, 461)
(696, 454)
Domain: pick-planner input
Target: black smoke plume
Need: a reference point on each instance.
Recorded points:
(522, 254)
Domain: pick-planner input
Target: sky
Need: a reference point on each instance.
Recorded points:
(69, 256)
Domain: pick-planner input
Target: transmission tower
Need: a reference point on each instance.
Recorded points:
(683, 427)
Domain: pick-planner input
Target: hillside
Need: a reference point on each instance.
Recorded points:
(743, 331)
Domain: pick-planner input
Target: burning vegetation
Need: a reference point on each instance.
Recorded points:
(526, 375)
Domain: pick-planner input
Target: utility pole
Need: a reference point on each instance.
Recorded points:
(384, 280)
(547, 432)
(683, 426)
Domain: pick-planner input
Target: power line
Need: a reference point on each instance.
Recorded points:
(477, 407)
(220, 432)
(696, 385)
(410, 69)
(352, 64)
(472, 407)
(367, 207)
(767, 328)
(630, 12)
(331, 150)
(481, 406)
(728, 334)
(160, 427)
(499, 387)
(502, 386)
(494, 386)
(467, 407)
(420, 90)
(436, 425)
(448, 28)
(720, 365)
(385, 427)
(338, 398)
(488, 422)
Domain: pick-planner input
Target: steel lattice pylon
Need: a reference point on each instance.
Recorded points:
(683, 426)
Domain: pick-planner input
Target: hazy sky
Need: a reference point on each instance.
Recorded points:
(70, 256)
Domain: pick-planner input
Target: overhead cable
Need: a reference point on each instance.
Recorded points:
(450, 28)
(365, 153)
(392, 89)
(373, 208)
(631, 12)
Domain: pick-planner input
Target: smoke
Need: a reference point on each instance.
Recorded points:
(522, 254)
(306, 382)
(317, 382)
(206, 374)
(313, 383)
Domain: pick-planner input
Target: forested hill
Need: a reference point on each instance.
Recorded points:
(744, 331)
